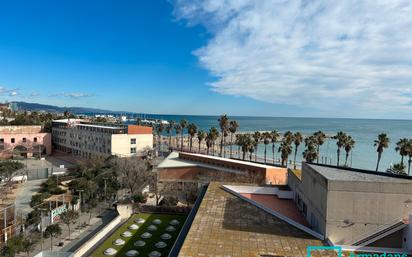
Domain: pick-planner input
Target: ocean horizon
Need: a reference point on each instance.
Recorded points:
(364, 132)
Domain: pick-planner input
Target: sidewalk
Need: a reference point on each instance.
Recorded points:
(79, 233)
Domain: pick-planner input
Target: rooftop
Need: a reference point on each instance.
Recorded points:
(340, 174)
(226, 225)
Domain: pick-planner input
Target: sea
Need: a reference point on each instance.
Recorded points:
(364, 132)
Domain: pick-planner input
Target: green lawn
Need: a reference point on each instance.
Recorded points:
(150, 242)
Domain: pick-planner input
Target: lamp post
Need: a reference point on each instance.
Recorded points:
(41, 226)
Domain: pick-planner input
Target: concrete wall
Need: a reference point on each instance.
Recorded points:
(121, 143)
(29, 137)
(82, 250)
(359, 208)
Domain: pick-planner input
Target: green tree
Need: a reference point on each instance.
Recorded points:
(8, 169)
(69, 217)
(159, 129)
(192, 130)
(274, 135)
(297, 140)
(402, 147)
(409, 151)
(52, 231)
(183, 124)
(398, 168)
(381, 143)
(201, 135)
(29, 242)
(169, 130)
(310, 154)
(214, 135)
(340, 138)
(320, 139)
(233, 127)
(266, 141)
(13, 247)
(224, 128)
(348, 145)
(257, 136)
(285, 150)
(178, 130)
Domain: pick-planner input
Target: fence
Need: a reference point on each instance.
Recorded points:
(43, 173)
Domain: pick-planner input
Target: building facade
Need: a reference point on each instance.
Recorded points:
(351, 206)
(24, 141)
(84, 139)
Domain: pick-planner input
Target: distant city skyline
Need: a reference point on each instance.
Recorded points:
(247, 58)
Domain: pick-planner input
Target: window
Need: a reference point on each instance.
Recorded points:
(24, 140)
(133, 141)
(1, 140)
(13, 140)
(133, 150)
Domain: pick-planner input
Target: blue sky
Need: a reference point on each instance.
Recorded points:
(207, 57)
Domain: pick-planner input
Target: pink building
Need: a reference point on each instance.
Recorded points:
(25, 141)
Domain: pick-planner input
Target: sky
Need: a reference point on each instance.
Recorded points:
(304, 58)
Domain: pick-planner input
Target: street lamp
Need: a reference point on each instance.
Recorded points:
(41, 225)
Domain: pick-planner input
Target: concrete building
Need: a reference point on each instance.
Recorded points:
(26, 141)
(354, 207)
(82, 138)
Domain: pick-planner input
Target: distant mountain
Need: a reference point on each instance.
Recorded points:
(24, 106)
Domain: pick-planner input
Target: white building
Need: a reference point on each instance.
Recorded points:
(82, 138)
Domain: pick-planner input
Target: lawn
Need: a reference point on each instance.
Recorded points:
(136, 235)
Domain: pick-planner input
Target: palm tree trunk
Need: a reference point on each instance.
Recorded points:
(379, 159)
(402, 159)
(409, 164)
(221, 145)
(338, 153)
(190, 147)
(294, 158)
(231, 142)
(207, 150)
(317, 157)
(170, 143)
(181, 141)
(256, 148)
(273, 152)
(244, 155)
(224, 144)
(199, 146)
(346, 158)
(265, 153)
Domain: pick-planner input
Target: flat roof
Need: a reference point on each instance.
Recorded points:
(335, 173)
(231, 160)
(77, 122)
(226, 225)
(173, 161)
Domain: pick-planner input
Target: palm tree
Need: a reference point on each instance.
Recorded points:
(310, 154)
(169, 129)
(192, 130)
(244, 141)
(320, 139)
(183, 125)
(178, 130)
(256, 137)
(381, 143)
(274, 135)
(348, 145)
(214, 133)
(201, 135)
(159, 130)
(288, 137)
(409, 151)
(285, 150)
(233, 126)
(297, 140)
(252, 148)
(224, 128)
(402, 147)
(398, 168)
(340, 137)
(266, 140)
(209, 142)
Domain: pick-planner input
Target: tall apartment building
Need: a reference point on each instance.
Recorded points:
(82, 138)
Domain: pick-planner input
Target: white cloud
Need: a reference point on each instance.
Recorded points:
(74, 95)
(351, 58)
